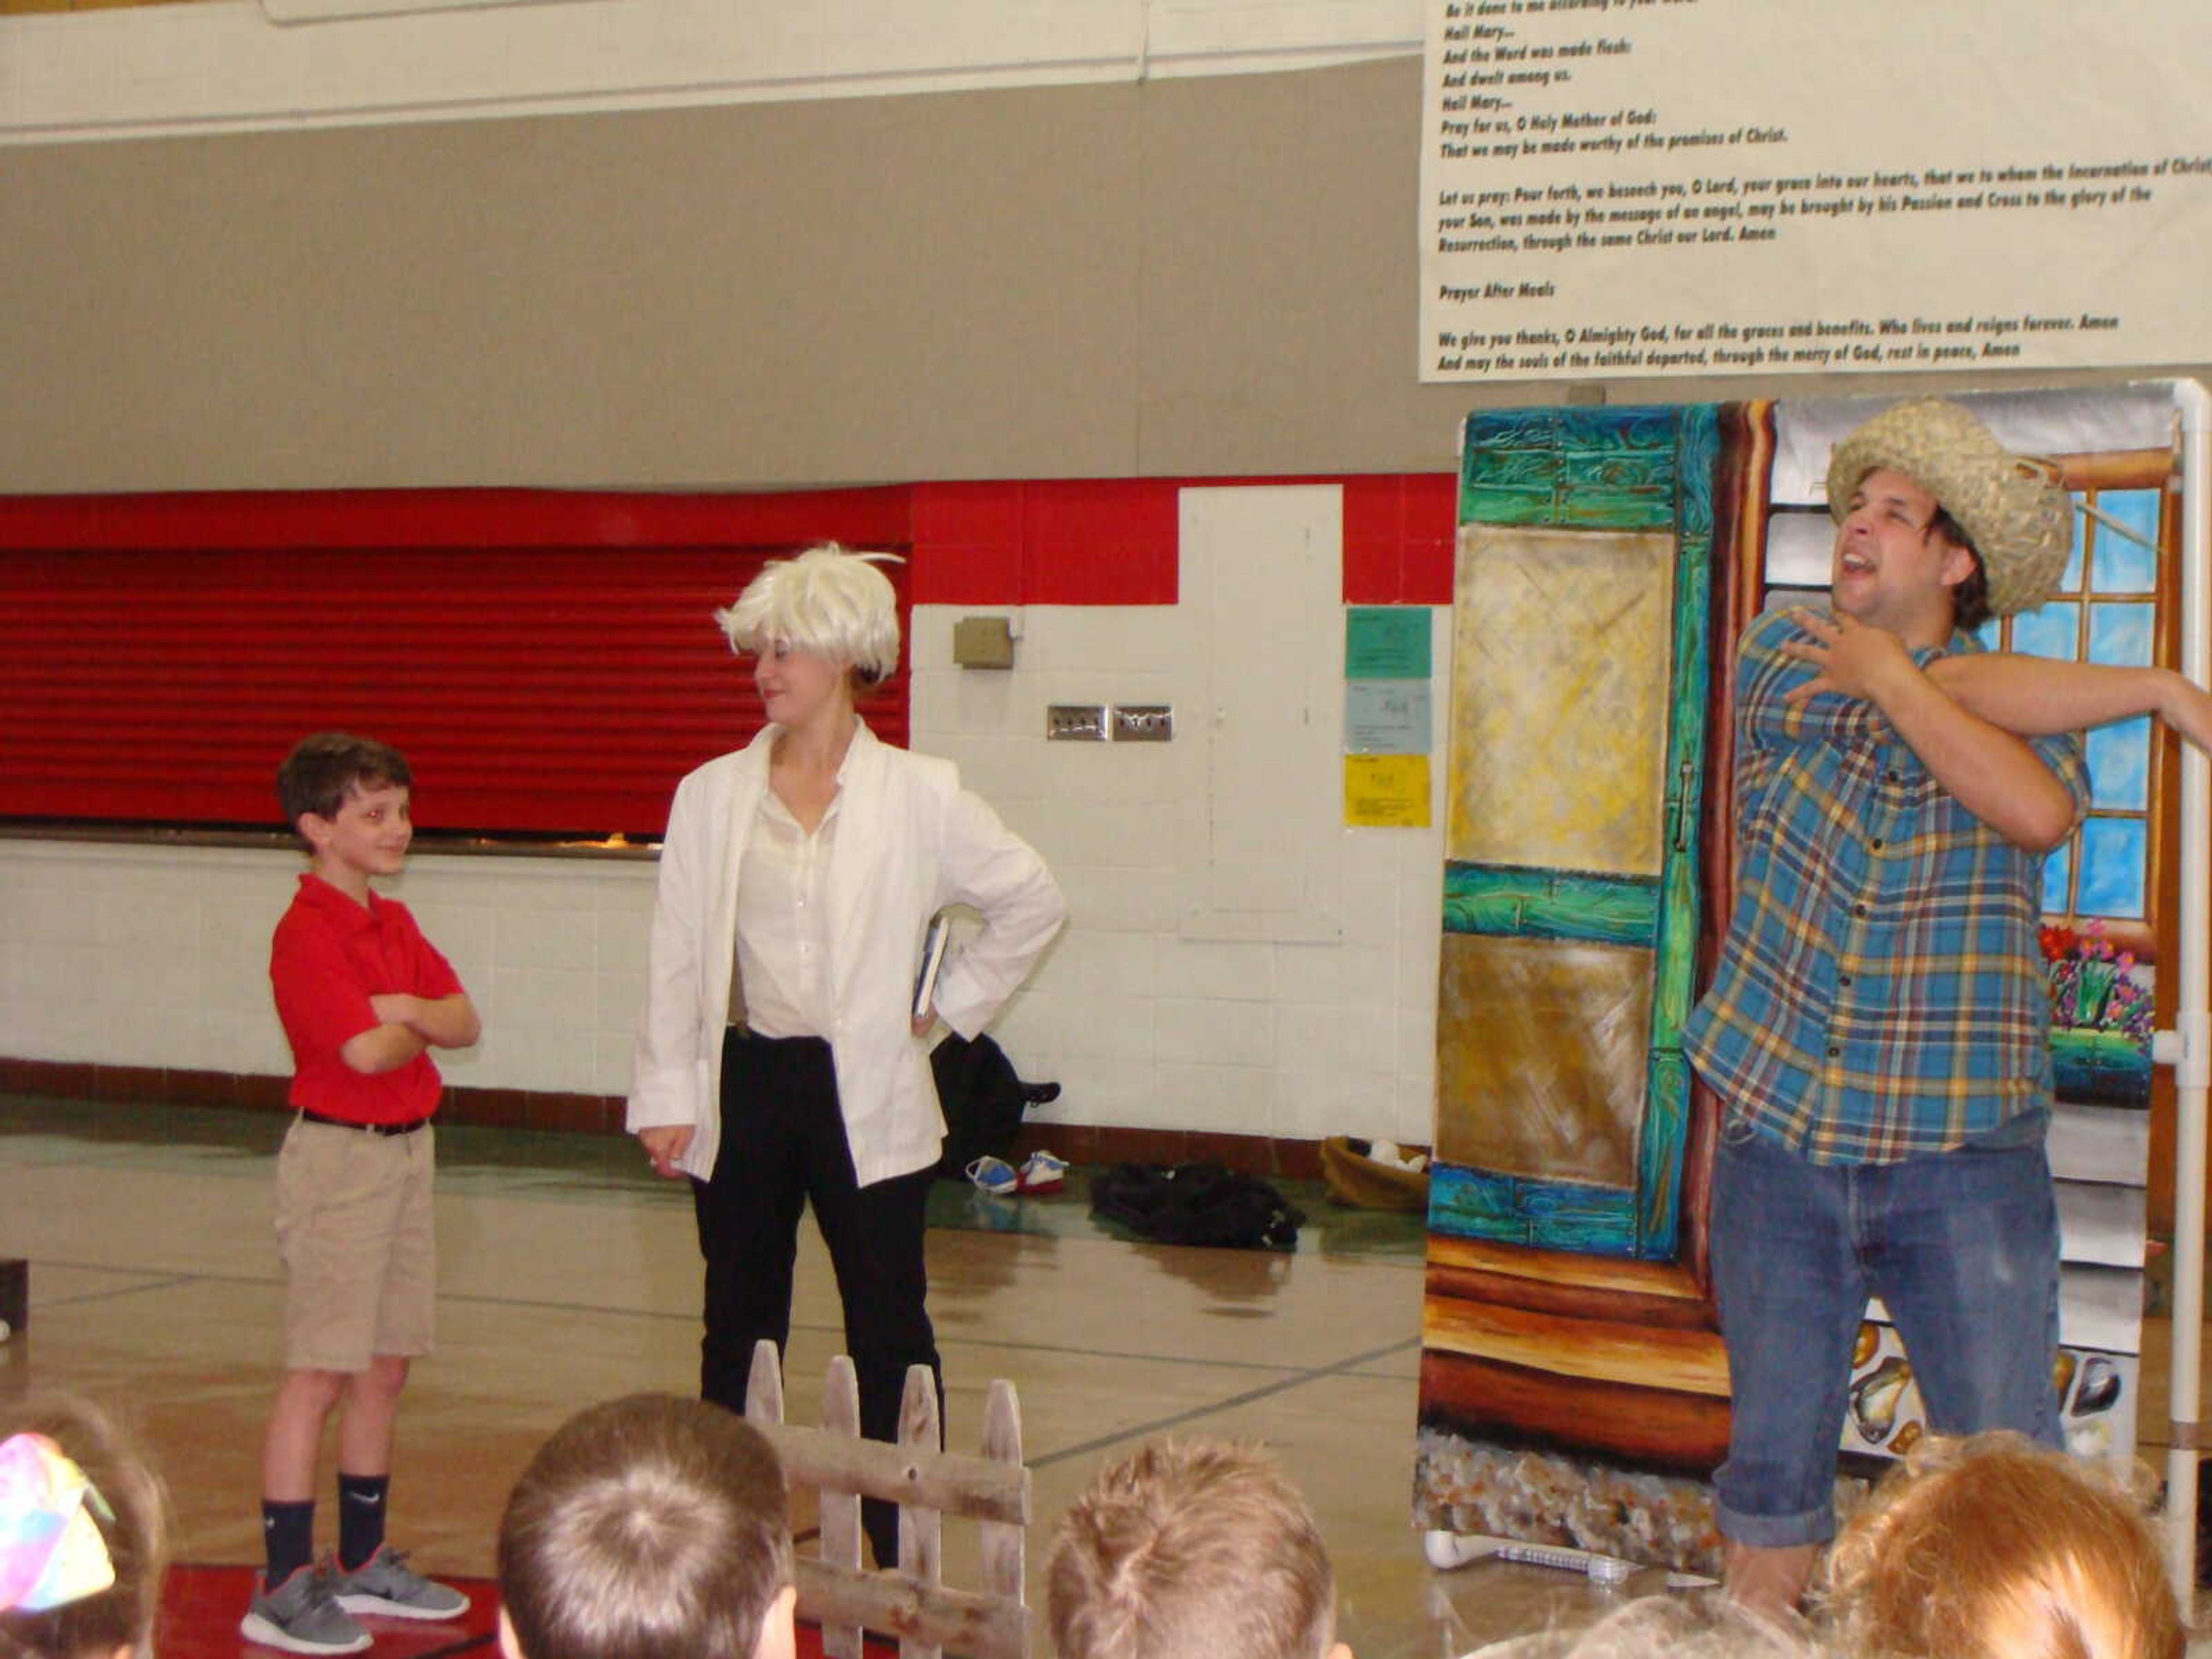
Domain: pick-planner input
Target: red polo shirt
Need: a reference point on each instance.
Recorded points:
(328, 957)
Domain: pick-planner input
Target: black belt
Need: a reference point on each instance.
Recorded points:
(406, 1128)
(745, 1034)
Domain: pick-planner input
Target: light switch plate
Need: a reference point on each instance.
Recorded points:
(1075, 722)
(1143, 722)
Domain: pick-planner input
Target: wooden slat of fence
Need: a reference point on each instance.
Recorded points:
(764, 1387)
(1000, 1540)
(920, 1529)
(840, 1512)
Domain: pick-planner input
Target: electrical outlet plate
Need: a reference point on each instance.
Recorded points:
(1075, 722)
(1143, 722)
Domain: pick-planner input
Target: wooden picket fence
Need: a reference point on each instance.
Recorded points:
(912, 1602)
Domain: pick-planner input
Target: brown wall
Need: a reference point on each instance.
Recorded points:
(1198, 276)
(1203, 275)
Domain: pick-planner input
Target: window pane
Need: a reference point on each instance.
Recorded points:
(2112, 867)
(2124, 564)
(2120, 634)
(1799, 550)
(2053, 631)
(2119, 765)
(2057, 868)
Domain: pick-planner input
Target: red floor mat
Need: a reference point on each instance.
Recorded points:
(201, 1607)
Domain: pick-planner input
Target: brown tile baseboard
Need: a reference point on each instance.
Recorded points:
(503, 1109)
(582, 1113)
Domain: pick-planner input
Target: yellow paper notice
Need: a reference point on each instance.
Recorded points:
(1388, 792)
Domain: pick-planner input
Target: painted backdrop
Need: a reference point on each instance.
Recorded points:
(1573, 1385)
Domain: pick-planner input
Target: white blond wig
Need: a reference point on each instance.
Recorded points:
(832, 603)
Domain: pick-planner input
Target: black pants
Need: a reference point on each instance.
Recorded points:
(783, 1145)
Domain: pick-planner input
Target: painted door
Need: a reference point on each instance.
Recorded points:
(1580, 664)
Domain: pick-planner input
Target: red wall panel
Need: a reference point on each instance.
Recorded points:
(968, 544)
(1399, 537)
(1102, 542)
(1057, 542)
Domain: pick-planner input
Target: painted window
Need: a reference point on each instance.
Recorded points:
(2106, 612)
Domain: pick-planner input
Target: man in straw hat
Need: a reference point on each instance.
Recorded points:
(1878, 1021)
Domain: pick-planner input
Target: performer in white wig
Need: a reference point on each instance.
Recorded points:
(778, 1062)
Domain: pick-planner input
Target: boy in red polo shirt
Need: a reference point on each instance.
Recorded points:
(363, 997)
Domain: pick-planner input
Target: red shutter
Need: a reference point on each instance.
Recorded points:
(536, 689)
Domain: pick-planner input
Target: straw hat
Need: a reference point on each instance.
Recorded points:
(2013, 506)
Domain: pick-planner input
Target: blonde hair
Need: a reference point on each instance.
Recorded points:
(646, 1528)
(1200, 1547)
(135, 1528)
(1993, 1547)
(1665, 1628)
(832, 603)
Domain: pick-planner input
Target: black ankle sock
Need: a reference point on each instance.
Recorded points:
(361, 1518)
(287, 1530)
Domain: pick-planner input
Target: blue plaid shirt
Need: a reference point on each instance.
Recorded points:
(1881, 992)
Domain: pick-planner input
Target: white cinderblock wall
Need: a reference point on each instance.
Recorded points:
(1147, 1027)
(146, 956)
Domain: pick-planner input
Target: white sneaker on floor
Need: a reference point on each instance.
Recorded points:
(1044, 1173)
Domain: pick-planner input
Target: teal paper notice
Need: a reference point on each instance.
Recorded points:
(1385, 642)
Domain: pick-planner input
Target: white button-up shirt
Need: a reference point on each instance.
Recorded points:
(783, 923)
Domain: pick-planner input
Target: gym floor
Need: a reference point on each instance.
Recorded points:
(569, 1275)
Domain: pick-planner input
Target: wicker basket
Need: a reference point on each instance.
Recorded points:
(1354, 1178)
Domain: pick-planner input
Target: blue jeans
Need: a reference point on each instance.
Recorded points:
(1961, 1246)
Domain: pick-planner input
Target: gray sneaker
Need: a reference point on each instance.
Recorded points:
(388, 1586)
(301, 1616)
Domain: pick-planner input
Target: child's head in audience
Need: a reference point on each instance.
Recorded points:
(83, 1535)
(1993, 1547)
(1187, 1548)
(649, 1527)
(1668, 1627)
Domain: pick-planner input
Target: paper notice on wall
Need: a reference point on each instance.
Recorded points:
(1387, 717)
(1640, 187)
(1389, 792)
(1385, 642)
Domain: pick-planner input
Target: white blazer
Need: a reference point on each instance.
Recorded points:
(909, 842)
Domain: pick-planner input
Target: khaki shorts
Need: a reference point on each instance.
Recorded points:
(353, 1229)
